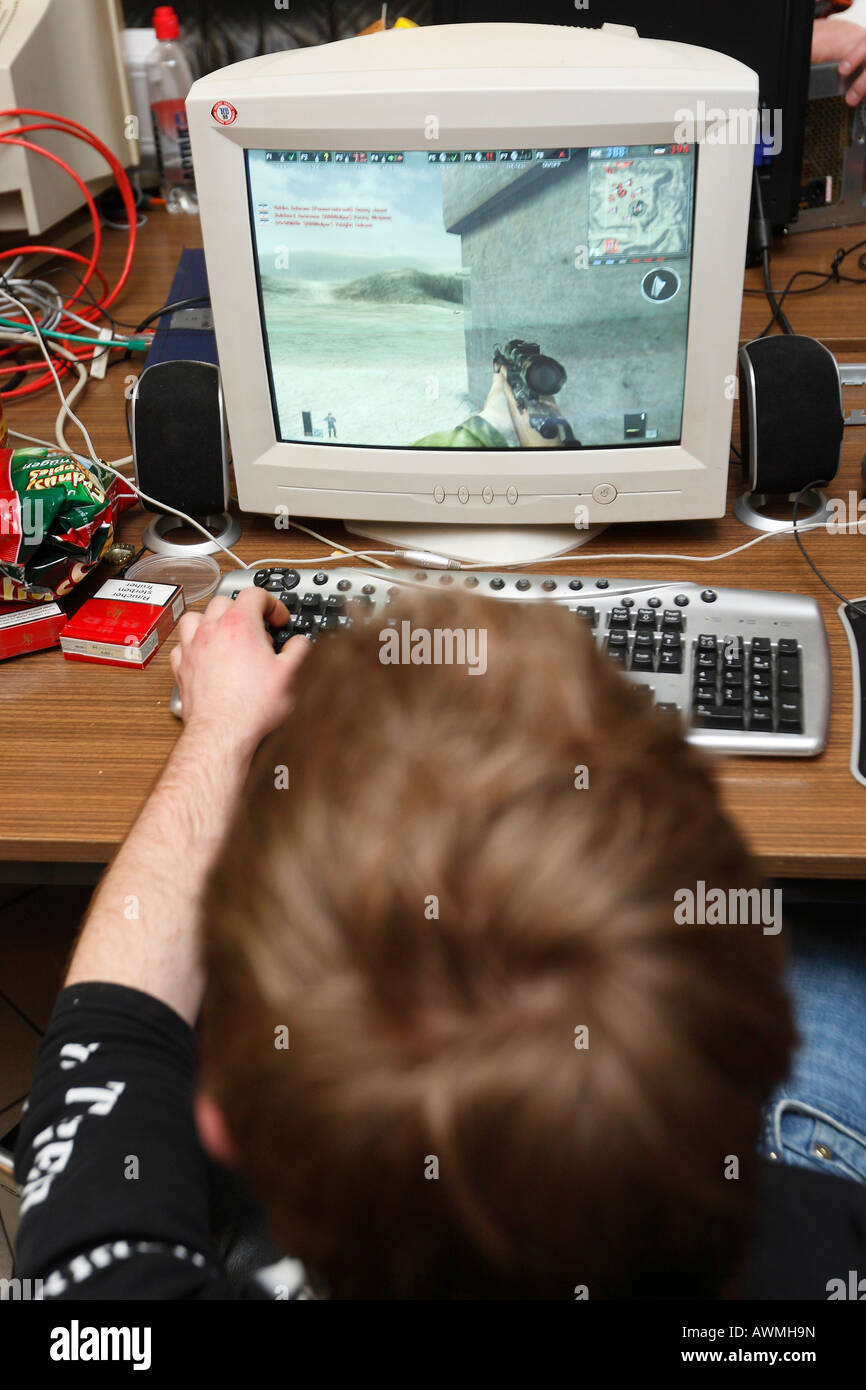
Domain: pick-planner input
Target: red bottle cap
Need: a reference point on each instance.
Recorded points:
(165, 22)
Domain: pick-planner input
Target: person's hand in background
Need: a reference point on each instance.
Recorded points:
(840, 41)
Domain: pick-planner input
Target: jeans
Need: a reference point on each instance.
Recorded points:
(817, 1117)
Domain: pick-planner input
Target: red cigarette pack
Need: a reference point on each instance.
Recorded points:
(123, 624)
(29, 627)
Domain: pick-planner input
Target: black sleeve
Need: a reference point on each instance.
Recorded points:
(115, 1188)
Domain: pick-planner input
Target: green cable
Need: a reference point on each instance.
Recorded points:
(134, 344)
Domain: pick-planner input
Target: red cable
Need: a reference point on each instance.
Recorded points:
(64, 125)
(91, 206)
(81, 132)
(28, 367)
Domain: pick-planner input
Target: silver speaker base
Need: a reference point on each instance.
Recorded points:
(153, 535)
(747, 510)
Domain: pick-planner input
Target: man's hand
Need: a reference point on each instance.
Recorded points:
(839, 41)
(529, 437)
(229, 677)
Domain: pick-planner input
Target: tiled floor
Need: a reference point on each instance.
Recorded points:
(37, 930)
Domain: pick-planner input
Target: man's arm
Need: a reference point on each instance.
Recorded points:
(142, 927)
(842, 39)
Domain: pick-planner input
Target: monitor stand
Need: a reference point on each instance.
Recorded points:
(494, 545)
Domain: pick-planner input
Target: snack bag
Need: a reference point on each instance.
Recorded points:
(57, 516)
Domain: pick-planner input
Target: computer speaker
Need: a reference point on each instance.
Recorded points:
(180, 452)
(791, 424)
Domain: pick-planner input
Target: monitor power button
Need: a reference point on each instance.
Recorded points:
(604, 494)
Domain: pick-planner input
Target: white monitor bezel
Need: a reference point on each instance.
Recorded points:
(581, 109)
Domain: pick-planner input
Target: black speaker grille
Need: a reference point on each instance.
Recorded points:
(178, 435)
(797, 413)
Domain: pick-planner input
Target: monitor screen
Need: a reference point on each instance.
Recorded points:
(472, 299)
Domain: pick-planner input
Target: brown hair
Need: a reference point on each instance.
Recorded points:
(435, 910)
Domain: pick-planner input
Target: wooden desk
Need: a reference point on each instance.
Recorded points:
(83, 745)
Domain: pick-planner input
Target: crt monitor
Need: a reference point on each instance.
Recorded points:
(480, 275)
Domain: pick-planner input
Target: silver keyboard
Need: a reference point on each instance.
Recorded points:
(745, 671)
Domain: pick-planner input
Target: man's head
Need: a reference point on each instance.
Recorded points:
(509, 1071)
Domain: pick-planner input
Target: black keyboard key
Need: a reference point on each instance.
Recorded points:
(789, 674)
(707, 661)
(761, 721)
(707, 642)
(671, 662)
(788, 646)
(790, 715)
(672, 620)
(732, 696)
(617, 641)
(641, 660)
(761, 645)
(717, 717)
(587, 615)
(617, 654)
(646, 617)
(618, 618)
(761, 663)
(671, 642)
(761, 680)
(732, 679)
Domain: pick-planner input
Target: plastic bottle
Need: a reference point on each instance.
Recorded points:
(168, 82)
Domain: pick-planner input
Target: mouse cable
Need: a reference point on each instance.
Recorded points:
(812, 487)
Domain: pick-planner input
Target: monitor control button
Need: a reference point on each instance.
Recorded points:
(511, 495)
(487, 495)
(438, 493)
(463, 495)
(604, 494)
